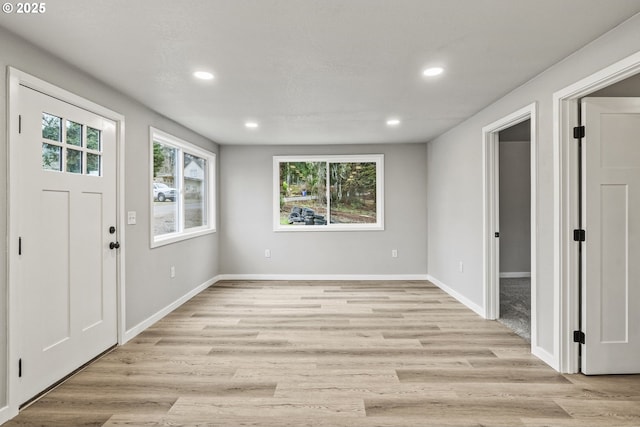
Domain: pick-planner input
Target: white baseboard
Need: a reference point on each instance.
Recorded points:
(464, 300)
(322, 277)
(514, 274)
(546, 357)
(131, 333)
(6, 414)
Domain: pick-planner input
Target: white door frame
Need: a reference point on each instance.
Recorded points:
(17, 78)
(565, 269)
(490, 182)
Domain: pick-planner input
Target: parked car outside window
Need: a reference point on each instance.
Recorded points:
(162, 192)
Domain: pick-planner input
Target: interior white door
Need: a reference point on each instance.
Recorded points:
(611, 253)
(67, 271)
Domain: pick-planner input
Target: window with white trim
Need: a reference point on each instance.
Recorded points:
(328, 193)
(182, 189)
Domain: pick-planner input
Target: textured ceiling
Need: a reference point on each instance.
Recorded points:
(317, 71)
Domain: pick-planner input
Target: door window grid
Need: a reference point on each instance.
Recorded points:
(70, 147)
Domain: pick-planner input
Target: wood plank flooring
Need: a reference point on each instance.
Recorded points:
(330, 354)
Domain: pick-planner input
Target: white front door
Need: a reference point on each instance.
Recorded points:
(67, 270)
(611, 252)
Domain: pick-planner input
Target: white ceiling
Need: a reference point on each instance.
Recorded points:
(317, 71)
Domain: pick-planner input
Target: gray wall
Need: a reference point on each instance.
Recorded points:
(247, 225)
(148, 286)
(515, 206)
(454, 183)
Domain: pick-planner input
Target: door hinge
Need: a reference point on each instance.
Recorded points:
(19, 245)
(19, 368)
(578, 132)
(579, 235)
(579, 337)
(19, 124)
(497, 234)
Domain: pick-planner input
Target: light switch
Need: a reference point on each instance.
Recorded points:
(131, 217)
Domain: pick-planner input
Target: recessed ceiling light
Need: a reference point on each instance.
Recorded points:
(393, 122)
(203, 75)
(432, 72)
(251, 125)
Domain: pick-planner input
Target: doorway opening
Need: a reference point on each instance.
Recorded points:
(514, 225)
(519, 255)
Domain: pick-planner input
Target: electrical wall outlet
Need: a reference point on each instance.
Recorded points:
(172, 272)
(131, 217)
(267, 253)
(394, 253)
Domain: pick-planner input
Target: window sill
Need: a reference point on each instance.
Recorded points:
(168, 239)
(325, 228)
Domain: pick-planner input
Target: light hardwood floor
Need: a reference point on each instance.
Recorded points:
(331, 354)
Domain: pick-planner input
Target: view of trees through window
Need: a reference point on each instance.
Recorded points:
(306, 199)
(165, 193)
(81, 146)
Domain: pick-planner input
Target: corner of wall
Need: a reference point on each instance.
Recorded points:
(461, 298)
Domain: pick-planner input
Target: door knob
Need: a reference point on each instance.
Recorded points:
(114, 245)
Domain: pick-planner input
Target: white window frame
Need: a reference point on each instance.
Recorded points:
(156, 135)
(378, 159)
